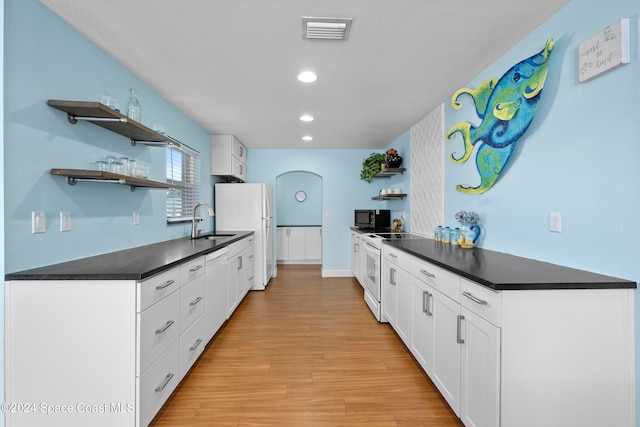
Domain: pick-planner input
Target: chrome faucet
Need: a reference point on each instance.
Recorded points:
(194, 228)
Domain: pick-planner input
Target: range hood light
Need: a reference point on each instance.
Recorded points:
(307, 138)
(306, 118)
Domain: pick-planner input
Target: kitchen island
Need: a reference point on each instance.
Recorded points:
(511, 341)
(104, 340)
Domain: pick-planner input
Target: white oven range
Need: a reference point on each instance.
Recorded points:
(372, 268)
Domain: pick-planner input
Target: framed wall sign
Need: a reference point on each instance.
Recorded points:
(604, 51)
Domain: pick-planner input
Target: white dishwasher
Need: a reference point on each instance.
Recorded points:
(216, 284)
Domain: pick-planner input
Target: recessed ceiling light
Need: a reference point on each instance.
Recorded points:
(306, 118)
(307, 138)
(307, 77)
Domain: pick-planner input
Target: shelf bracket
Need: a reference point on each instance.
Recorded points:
(73, 181)
(74, 119)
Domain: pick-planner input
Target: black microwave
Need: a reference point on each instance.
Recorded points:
(372, 218)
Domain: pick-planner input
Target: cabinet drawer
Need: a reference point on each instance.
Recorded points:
(192, 344)
(157, 287)
(442, 280)
(157, 383)
(158, 327)
(396, 256)
(191, 302)
(483, 301)
(191, 270)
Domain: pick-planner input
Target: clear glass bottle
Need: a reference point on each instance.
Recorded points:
(134, 111)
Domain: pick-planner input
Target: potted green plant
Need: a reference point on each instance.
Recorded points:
(371, 166)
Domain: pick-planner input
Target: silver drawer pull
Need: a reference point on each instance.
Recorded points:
(392, 276)
(196, 344)
(167, 284)
(196, 268)
(195, 301)
(426, 273)
(460, 319)
(393, 255)
(164, 384)
(165, 327)
(474, 298)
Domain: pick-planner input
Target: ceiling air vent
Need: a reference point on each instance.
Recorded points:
(325, 28)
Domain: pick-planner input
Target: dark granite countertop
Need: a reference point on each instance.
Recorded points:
(501, 271)
(131, 264)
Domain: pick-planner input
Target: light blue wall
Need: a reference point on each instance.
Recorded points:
(47, 59)
(342, 191)
(400, 208)
(2, 249)
(579, 157)
(289, 211)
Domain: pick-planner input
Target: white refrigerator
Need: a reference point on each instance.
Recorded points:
(244, 207)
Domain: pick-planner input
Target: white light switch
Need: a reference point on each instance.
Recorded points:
(555, 222)
(37, 222)
(136, 217)
(65, 221)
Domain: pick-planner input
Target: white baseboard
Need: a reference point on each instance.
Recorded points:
(337, 273)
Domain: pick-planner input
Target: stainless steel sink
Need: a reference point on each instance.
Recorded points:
(214, 236)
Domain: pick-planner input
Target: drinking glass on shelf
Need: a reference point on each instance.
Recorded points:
(117, 167)
(101, 165)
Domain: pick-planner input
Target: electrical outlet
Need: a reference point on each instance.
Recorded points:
(65, 221)
(136, 217)
(555, 222)
(38, 222)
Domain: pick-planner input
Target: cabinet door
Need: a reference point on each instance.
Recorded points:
(480, 371)
(283, 243)
(403, 306)
(446, 348)
(233, 284)
(215, 295)
(388, 278)
(421, 337)
(313, 243)
(296, 243)
(355, 248)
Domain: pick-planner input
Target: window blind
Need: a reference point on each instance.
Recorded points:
(183, 169)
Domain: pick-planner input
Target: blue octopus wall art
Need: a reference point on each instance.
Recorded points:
(506, 108)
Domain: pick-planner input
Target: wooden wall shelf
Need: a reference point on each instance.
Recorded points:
(79, 175)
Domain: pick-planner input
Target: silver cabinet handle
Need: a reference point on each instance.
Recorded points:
(195, 301)
(196, 268)
(460, 319)
(392, 276)
(165, 285)
(426, 273)
(196, 344)
(164, 383)
(393, 255)
(239, 263)
(426, 297)
(474, 298)
(165, 327)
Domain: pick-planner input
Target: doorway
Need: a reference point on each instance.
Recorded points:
(298, 218)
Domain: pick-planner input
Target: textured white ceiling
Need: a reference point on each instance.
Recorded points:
(231, 65)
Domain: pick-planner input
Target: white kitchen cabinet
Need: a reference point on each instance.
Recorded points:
(421, 337)
(109, 352)
(355, 249)
(527, 357)
(396, 291)
(216, 286)
(300, 245)
(480, 372)
(228, 157)
(313, 243)
(239, 276)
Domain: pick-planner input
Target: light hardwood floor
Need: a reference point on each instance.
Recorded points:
(306, 352)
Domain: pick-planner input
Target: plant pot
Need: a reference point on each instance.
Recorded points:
(394, 161)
